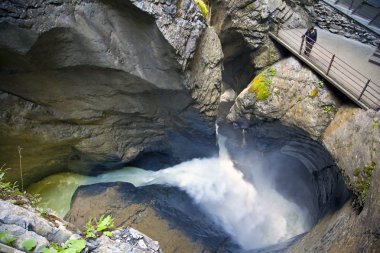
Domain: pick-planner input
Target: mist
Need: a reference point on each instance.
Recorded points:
(250, 209)
(254, 217)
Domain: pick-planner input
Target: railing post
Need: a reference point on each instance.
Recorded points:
(331, 62)
(377, 15)
(365, 87)
(303, 38)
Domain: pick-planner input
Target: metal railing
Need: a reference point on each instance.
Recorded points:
(361, 8)
(351, 80)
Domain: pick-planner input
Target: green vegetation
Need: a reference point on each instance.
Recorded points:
(29, 244)
(313, 92)
(9, 240)
(202, 5)
(362, 182)
(375, 125)
(320, 84)
(259, 84)
(328, 108)
(95, 228)
(10, 190)
(71, 246)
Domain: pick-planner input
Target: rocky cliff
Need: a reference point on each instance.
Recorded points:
(92, 85)
(299, 98)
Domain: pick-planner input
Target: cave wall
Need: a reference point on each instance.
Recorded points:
(91, 85)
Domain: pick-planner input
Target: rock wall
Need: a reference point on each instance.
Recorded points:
(242, 27)
(330, 19)
(290, 100)
(350, 134)
(92, 84)
(353, 139)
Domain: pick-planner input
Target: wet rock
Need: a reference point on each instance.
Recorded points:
(165, 214)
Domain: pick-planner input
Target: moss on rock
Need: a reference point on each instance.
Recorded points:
(259, 84)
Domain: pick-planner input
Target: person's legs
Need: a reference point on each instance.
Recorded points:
(307, 48)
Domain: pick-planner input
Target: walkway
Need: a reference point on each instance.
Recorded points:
(366, 12)
(340, 61)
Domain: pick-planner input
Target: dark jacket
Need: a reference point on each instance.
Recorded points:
(311, 36)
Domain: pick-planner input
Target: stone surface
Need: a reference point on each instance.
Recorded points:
(25, 222)
(289, 101)
(205, 74)
(87, 96)
(126, 240)
(330, 19)
(242, 27)
(354, 141)
(165, 214)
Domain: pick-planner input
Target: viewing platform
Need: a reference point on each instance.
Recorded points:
(342, 62)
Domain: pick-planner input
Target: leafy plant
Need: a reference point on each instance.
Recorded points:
(273, 71)
(10, 190)
(29, 244)
(328, 108)
(9, 240)
(320, 84)
(94, 227)
(71, 246)
(90, 229)
(202, 6)
(362, 182)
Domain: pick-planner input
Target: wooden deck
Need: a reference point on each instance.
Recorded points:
(355, 85)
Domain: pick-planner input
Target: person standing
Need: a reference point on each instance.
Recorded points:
(311, 38)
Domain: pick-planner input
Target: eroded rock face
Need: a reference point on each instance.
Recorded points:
(205, 75)
(102, 84)
(163, 213)
(353, 138)
(242, 27)
(291, 100)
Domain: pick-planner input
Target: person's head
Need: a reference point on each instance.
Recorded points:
(311, 28)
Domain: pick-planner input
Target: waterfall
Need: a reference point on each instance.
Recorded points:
(254, 217)
(243, 132)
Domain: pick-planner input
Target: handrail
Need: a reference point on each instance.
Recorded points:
(360, 87)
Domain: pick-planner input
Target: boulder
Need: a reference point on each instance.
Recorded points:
(297, 97)
(163, 213)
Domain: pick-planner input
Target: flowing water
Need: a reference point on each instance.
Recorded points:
(254, 216)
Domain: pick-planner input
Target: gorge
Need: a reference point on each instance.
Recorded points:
(122, 97)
